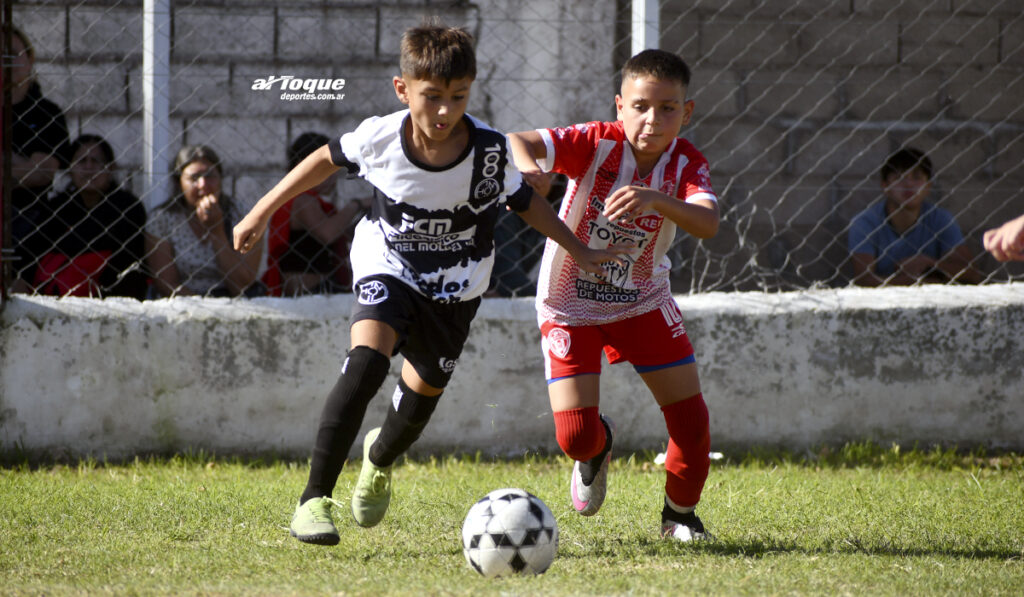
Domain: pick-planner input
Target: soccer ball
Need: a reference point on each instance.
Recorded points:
(509, 531)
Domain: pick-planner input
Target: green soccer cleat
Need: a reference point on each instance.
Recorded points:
(372, 495)
(312, 522)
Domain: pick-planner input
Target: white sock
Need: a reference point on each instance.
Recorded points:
(676, 507)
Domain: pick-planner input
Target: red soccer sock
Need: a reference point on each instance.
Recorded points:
(580, 432)
(687, 462)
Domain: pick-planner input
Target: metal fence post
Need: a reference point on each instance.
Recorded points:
(645, 25)
(156, 74)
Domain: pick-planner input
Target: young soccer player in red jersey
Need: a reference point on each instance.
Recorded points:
(632, 182)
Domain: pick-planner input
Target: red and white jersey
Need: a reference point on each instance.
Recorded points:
(597, 158)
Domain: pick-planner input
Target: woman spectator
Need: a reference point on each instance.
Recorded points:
(95, 233)
(188, 238)
(308, 238)
(39, 148)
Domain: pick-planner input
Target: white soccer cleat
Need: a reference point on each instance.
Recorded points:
(587, 499)
(685, 528)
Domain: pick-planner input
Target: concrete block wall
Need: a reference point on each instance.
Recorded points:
(801, 102)
(116, 378)
(798, 103)
(538, 64)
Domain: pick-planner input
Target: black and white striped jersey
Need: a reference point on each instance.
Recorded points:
(431, 227)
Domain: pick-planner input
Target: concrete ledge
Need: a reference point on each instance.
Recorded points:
(116, 378)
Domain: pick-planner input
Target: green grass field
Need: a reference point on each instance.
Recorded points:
(858, 521)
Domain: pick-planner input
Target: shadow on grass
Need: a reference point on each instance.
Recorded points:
(756, 548)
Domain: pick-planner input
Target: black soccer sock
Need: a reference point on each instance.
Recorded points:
(690, 519)
(403, 426)
(362, 375)
(590, 468)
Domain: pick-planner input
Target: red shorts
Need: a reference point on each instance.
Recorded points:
(652, 341)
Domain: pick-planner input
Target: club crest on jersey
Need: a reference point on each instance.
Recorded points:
(559, 342)
(487, 187)
(669, 188)
(373, 292)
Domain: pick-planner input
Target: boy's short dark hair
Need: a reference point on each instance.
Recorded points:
(906, 160)
(658, 64)
(433, 50)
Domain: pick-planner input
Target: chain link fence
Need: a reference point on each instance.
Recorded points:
(798, 105)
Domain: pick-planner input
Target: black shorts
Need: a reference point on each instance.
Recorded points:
(430, 334)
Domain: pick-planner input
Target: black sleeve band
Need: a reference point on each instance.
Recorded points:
(520, 200)
(338, 157)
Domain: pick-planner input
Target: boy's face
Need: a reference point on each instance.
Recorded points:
(435, 107)
(907, 189)
(652, 111)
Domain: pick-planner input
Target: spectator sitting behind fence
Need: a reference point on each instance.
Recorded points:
(39, 148)
(96, 232)
(905, 240)
(308, 238)
(188, 238)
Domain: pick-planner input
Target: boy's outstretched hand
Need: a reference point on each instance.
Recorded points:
(1006, 243)
(248, 232)
(543, 218)
(591, 260)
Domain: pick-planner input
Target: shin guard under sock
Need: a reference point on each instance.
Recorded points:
(408, 416)
(686, 461)
(362, 375)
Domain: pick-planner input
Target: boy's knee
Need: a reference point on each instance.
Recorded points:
(368, 367)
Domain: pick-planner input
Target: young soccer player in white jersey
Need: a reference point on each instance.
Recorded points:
(632, 182)
(420, 261)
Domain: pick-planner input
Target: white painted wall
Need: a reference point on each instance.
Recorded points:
(117, 377)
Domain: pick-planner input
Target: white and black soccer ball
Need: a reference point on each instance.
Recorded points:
(509, 531)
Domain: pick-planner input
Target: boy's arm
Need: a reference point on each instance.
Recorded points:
(307, 174)
(699, 217)
(527, 148)
(540, 216)
(864, 270)
(1006, 242)
(958, 265)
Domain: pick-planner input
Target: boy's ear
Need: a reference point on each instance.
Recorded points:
(401, 89)
(688, 107)
(618, 106)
